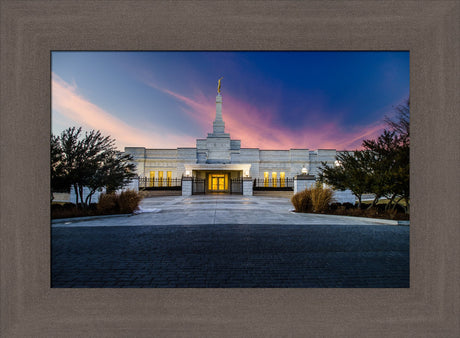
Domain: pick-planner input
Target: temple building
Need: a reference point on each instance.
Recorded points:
(218, 159)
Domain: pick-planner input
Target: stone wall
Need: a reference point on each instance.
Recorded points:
(133, 185)
(344, 196)
(61, 197)
(86, 191)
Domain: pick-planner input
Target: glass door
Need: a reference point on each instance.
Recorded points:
(221, 183)
(217, 183)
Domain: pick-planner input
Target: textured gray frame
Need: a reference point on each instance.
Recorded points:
(31, 29)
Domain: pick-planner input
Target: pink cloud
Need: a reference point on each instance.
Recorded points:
(69, 103)
(255, 127)
(200, 109)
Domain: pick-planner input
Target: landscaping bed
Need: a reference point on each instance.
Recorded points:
(319, 200)
(378, 211)
(109, 204)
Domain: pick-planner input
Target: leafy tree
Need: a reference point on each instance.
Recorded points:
(388, 163)
(381, 168)
(384, 163)
(352, 173)
(114, 172)
(58, 184)
(88, 161)
(400, 124)
(401, 173)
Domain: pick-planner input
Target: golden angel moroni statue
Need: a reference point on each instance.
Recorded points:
(218, 85)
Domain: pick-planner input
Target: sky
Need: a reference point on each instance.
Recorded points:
(271, 100)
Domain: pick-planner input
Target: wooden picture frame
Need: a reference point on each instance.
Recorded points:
(30, 30)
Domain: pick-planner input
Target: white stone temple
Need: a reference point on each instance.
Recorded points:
(218, 159)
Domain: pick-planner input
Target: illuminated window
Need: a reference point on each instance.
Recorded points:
(266, 179)
(152, 179)
(168, 178)
(160, 178)
(273, 179)
(282, 179)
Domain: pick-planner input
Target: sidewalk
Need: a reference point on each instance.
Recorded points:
(217, 209)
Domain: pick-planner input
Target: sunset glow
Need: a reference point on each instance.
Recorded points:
(276, 100)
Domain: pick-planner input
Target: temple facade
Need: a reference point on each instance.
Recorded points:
(218, 159)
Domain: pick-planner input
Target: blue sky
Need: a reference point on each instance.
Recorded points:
(271, 100)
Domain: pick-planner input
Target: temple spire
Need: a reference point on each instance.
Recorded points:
(218, 124)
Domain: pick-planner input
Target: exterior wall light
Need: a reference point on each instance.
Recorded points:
(187, 173)
(304, 171)
(246, 173)
(337, 163)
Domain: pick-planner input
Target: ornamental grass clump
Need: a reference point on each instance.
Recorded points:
(128, 201)
(124, 203)
(320, 198)
(302, 201)
(107, 204)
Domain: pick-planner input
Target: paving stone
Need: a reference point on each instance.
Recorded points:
(231, 256)
(228, 241)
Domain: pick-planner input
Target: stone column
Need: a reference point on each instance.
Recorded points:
(187, 186)
(301, 182)
(247, 186)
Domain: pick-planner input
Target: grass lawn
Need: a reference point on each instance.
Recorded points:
(385, 201)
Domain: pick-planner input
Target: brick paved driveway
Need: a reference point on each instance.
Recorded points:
(231, 255)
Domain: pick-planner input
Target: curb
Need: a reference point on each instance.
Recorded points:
(86, 218)
(376, 220)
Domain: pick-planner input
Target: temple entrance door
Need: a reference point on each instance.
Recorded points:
(218, 183)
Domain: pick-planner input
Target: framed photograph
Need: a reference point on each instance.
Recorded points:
(291, 171)
(32, 31)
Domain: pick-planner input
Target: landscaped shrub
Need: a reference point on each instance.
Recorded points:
(399, 208)
(357, 212)
(380, 207)
(348, 205)
(66, 210)
(363, 206)
(341, 210)
(56, 207)
(320, 198)
(69, 206)
(92, 206)
(124, 203)
(334, 206)
(128, 201)
(302, 201)
(107, 204)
